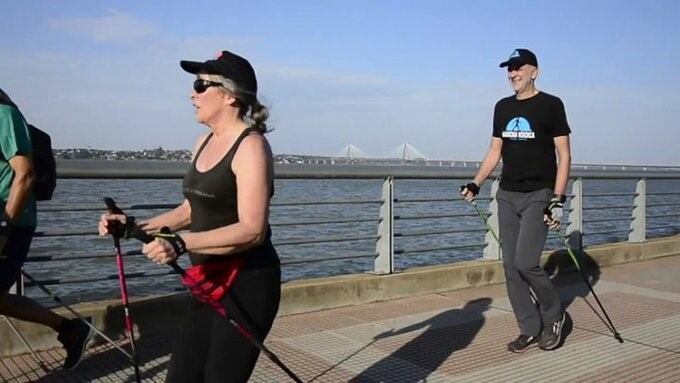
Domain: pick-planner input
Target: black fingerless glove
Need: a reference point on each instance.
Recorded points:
(470, 186)
(174, 239)
(555, 208)
(123, 230)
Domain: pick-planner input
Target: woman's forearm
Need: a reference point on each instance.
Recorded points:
(225, 240)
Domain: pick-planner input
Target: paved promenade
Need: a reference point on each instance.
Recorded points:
(458, 336)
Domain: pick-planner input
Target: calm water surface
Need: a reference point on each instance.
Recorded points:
(84, 192)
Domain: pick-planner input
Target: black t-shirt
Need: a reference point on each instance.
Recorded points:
(527, 128)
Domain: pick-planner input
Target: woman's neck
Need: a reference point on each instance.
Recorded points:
(227, 125)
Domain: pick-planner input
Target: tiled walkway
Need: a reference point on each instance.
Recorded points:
(458, 336)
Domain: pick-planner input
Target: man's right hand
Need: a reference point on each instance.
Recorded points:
(469, 191)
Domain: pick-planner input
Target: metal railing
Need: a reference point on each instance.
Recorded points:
(394, 234)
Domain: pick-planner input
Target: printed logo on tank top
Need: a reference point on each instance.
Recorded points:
(199, 193)
(518, 129)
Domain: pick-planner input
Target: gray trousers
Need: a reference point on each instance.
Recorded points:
(523, 234)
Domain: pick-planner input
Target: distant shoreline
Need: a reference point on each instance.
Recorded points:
(354, 169)
(161, 155)
(183, 155)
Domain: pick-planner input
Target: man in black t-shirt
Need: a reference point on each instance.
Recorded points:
(529, 129)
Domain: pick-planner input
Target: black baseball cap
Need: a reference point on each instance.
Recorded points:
(519, 57)
(228, 65)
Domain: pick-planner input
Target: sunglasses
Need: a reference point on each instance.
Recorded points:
(201, 85)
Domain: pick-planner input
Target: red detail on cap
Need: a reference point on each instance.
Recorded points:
(218, 55)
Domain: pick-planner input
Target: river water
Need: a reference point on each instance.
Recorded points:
(72, 192)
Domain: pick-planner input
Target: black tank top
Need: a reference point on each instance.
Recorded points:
(213, 198)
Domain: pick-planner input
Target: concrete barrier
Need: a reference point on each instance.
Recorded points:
(163, 312)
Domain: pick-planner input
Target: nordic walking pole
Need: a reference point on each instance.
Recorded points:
(590, 287)
(484, 218)
(486, 221)
(113, 209)
(25, 342)
(146, 238)
(57, 299)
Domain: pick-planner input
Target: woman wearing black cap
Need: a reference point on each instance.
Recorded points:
(227, 189)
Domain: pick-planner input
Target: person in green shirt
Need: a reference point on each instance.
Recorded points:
(17, 225)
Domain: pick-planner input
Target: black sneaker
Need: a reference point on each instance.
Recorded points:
(74, 335)
(522, 343)
(552, 335)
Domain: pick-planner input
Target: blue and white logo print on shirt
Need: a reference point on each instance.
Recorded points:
(518, 129)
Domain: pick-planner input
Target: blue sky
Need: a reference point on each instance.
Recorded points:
(376, 74)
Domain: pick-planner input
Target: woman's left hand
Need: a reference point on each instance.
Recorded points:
(159, 251)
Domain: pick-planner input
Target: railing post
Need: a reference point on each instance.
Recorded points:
(638, 224)
(492, 250)
(384, 262)
(575, 228)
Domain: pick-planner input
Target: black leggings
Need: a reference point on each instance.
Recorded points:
(210, 349)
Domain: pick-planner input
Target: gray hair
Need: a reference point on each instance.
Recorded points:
(250, 108)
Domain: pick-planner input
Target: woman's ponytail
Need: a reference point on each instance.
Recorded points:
(258, 116)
